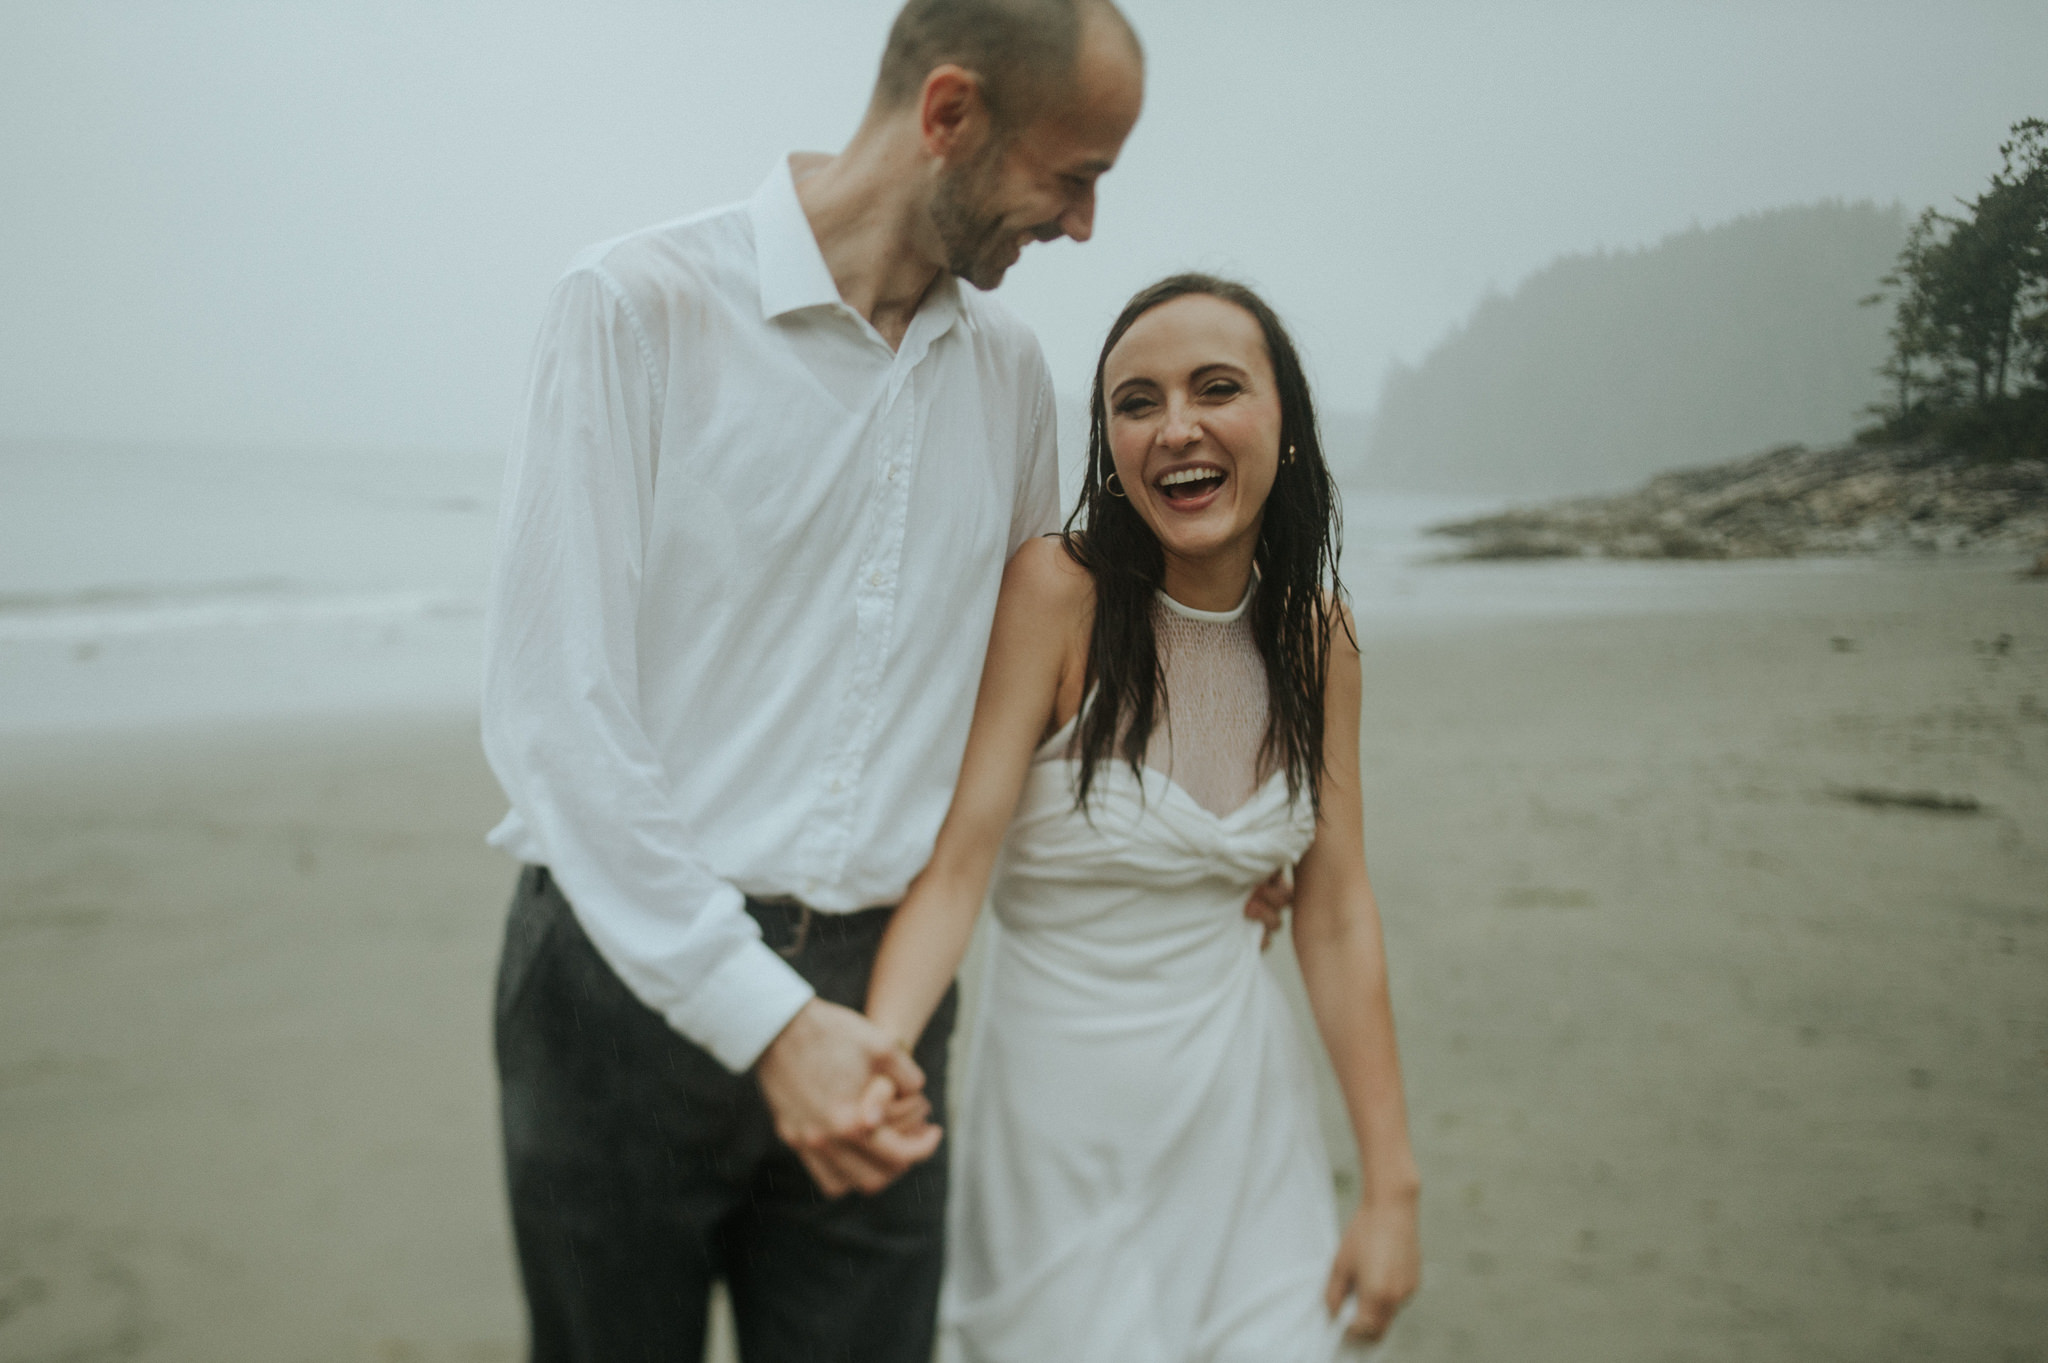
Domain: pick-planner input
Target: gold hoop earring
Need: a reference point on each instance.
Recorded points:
(1289, 460)
(1114, 484)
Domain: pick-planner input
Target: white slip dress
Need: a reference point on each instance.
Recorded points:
(1139, 1176)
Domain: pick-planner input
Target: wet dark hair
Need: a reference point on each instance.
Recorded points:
(1295, 610)
(1023, 50)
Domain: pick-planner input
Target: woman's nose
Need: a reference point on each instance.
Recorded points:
(1180, 429)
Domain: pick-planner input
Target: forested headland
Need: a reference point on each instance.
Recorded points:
(1956, 458)
(1601, 370)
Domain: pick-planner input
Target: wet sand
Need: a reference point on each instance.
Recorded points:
(1707, 1061)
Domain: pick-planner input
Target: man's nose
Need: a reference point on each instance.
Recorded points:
(1078, 221)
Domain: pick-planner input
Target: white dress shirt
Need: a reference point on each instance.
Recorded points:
(746, 566)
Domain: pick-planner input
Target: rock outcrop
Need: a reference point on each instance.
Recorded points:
(1786, 503)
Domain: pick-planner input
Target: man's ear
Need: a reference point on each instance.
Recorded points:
(952, 116)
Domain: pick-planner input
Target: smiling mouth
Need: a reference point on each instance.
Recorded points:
(1190, 484)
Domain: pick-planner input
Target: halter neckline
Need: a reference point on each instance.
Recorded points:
(1215, 617)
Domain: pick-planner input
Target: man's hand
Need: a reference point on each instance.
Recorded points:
(818, 1077)
(1268, 905)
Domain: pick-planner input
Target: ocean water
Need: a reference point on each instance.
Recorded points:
(144, 586)
(150, 586)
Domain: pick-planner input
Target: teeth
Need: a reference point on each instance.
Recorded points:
(1179, 476)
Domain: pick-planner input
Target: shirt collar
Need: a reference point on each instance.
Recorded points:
(792, 270)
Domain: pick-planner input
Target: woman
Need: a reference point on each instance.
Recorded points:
(1169, 711)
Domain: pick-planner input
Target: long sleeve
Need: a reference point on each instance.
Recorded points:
(562, 720)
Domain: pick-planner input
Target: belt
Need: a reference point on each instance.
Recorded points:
(789, 924)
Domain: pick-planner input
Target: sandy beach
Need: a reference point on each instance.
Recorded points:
(1709, 1058)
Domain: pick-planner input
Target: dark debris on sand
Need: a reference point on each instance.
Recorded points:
(1932, 802)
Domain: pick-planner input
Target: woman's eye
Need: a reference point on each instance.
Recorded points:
(1133, 406)
(1221, 388)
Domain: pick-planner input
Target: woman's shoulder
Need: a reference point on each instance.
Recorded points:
(1045, 575)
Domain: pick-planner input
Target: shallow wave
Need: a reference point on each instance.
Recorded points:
(111, 612)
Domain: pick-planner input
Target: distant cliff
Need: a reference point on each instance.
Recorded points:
(1600, 370)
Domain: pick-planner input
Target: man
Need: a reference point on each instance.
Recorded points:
(772, 463)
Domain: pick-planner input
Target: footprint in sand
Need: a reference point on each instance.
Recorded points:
(64, 1297)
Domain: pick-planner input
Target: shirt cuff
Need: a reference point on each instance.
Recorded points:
(742, 1006)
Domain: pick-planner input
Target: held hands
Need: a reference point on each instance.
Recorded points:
(847, 1099)
(1379, 1262)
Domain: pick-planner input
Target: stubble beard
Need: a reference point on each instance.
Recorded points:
(976, 244)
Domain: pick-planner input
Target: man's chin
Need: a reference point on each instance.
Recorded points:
(983, 275)
(985, 269)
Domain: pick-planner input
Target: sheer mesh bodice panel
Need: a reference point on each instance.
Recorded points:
(1213, 717)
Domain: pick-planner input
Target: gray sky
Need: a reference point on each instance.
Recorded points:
(317, 224)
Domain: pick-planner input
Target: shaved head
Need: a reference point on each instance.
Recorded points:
(1023, 51)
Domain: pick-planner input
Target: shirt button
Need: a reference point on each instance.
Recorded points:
(875, 580)
(837, 785)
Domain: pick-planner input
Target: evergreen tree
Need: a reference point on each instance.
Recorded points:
(1969, 332)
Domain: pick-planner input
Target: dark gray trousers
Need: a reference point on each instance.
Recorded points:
(640, 1169)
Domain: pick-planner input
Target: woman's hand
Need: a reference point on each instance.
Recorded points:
(1379, 1262)
(907, 1113)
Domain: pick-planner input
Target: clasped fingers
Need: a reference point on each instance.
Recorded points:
(870, 1163)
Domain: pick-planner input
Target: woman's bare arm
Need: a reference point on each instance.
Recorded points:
(1343, 963)
(1040, 618)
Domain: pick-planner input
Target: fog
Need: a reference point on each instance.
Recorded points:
(1707, 1055)
(314, 225)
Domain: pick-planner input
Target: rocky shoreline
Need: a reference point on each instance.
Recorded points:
(1786, 503)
